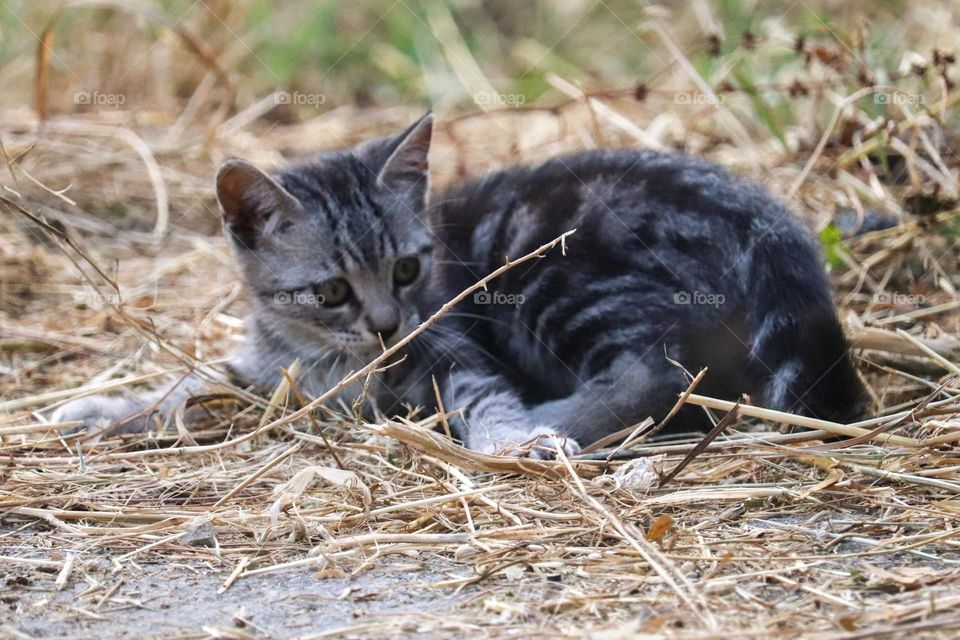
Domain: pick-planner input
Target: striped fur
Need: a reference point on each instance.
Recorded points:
(675, 263)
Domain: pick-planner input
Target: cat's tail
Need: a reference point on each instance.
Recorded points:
(797, 347)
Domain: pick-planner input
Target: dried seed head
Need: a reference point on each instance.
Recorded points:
(714, 43)
(797, 89)
(943, 58)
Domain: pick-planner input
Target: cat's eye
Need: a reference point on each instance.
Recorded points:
(334, 292)
(406, 270)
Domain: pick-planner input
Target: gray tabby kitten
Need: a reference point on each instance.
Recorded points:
(675, 263)
(336, 256)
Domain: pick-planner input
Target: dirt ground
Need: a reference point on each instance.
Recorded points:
(412, 596)
(182, 600)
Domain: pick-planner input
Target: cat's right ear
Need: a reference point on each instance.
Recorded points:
(252, 203)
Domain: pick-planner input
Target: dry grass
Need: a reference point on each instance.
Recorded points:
(761, 533)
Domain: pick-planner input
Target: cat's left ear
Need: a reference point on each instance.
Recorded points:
(253, 204)
(406, 169)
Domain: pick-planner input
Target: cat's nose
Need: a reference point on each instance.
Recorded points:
(386, 331)
(385, 321)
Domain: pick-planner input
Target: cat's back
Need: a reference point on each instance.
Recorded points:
(630, 201)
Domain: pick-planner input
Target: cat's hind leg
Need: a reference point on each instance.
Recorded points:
(797, 350)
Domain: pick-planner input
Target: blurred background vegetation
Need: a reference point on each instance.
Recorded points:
(429, 52)
(751, 84)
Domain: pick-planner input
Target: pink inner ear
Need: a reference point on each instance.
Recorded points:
(249, 197)
(408, 164)
(234, 184)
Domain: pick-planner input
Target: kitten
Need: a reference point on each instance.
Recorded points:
(674, 261)
(335, 255)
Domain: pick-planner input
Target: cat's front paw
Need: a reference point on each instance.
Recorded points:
(543, 445)
(100, 414)
(538, 444)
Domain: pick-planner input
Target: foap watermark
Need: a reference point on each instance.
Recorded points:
(494, 99)
(314, 100)
(498, 297)
(698, 99)
(98, 99)
(699, 298)
(301, 298)
(900, 98)
(899, 299)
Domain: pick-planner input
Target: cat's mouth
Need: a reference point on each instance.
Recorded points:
(365, 345)
(374, 344)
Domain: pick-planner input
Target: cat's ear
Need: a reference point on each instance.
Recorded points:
(251, 202)
(406, 168)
